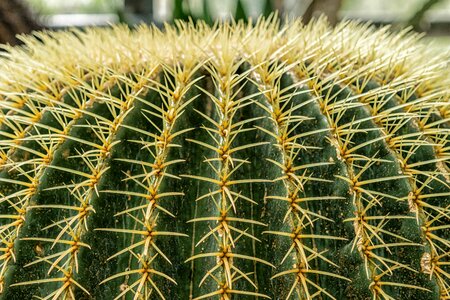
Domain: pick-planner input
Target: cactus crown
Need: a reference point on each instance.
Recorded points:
(294, 161)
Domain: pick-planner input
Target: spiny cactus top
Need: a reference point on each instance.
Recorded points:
(232, 162)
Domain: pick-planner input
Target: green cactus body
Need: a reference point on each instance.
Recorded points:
(233, 162)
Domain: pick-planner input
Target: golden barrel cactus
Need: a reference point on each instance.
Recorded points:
(228, 162)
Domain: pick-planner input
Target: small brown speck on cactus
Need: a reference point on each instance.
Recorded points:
(229, 162)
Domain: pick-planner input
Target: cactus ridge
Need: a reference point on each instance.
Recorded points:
(234, 161)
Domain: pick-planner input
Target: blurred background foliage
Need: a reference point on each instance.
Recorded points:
(430, 16)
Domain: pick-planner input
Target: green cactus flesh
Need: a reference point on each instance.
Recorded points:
(228, 162)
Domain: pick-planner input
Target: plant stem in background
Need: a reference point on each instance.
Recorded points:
(15, 19)
(329, 8)
(416, 20)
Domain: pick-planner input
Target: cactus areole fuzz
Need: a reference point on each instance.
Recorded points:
(228, 162)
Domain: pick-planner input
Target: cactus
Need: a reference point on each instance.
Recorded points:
(236, 161)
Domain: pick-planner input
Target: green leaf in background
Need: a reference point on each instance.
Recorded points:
(268, 8)
(181, 10)
(207, 12)
(240, 11)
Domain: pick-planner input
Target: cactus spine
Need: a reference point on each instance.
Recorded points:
(238, 161)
